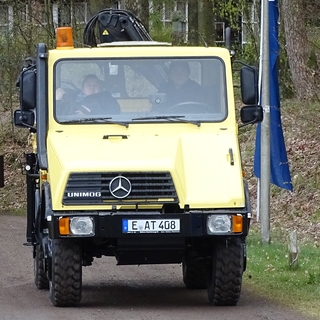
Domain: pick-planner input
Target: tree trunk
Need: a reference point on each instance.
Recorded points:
(305, 79)
(193, 33)
(97, 5)
(144, 13)
(207, 22)
(132, 6)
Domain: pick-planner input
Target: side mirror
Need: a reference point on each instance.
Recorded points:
(249, 85)
(27, 84)
(24, 119)
(251, 114)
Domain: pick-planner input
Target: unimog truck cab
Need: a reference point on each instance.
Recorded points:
(133, 171)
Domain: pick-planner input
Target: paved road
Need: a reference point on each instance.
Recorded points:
(114, 292)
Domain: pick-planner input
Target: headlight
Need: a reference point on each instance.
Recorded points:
(76, 226)
(82, 226)
(217, 224)
(224, 224)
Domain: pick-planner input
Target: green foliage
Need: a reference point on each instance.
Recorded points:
(15, 45)
(230, 10)
(177, 16)
(249, 53)
(313, 61)
(158, 31)
(11, 56)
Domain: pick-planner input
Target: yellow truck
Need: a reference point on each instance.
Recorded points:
(144, 167)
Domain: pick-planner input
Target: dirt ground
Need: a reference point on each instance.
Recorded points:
(115, 292)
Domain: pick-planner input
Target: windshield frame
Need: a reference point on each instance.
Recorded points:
(154, 117)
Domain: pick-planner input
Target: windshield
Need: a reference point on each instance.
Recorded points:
(126, 91)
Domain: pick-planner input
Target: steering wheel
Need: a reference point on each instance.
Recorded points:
(100, 103)
(190, 107)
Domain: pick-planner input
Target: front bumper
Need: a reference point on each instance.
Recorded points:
(130, 224)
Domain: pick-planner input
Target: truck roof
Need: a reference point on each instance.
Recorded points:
(143, 49)
(134, 43)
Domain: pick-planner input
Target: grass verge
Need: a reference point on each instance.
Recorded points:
(269, 274)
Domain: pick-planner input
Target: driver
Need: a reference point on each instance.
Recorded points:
(92, 98)
(180, 87)
(90, 85)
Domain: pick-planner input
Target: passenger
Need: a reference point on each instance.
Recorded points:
(180, 88)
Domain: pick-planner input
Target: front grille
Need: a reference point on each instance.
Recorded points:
(93, 188)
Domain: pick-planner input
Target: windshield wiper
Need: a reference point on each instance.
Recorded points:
(96, 120)
(169, 118)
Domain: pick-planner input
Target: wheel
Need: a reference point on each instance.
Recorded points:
(190, 107)
(194, 274)
(225, 273)
(66, 273)
(40, 276)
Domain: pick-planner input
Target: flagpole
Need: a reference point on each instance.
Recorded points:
(264, 206)
(259, 89)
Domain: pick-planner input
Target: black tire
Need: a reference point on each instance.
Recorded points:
(40, 276)
(225, 273)
(194, 274)
(66, 273)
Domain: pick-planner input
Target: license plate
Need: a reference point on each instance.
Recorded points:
(151, 226)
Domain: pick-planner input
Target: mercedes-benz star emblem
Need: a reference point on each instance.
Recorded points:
(120, 187)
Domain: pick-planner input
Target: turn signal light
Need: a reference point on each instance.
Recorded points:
(64, 39)
(64, 226)
(237, 224)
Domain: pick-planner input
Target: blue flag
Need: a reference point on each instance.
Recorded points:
(279, 166)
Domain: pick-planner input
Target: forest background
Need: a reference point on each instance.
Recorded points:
(299, 76)
(32, 22)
